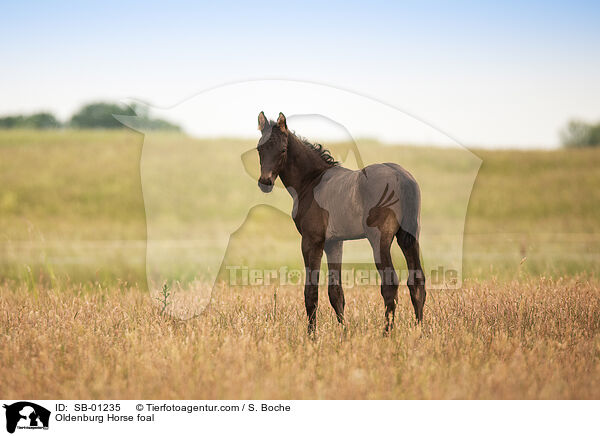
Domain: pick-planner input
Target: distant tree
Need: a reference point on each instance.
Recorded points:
(92, 116)
(581, 134)
(100, 116)
(42, 120)
(11, 122)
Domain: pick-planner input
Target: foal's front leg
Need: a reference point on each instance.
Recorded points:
(312, 251)
(333, 250)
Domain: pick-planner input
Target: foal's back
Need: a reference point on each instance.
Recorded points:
(351, 196)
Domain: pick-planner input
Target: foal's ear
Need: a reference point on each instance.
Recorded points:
(262, 121)
(281, 122)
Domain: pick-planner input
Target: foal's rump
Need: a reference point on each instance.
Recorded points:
(389, 187)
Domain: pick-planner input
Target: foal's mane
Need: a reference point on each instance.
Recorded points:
(323, 153)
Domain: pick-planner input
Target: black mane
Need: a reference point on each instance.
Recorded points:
(324, 153)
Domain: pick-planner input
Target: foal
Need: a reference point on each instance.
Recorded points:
(333, 204)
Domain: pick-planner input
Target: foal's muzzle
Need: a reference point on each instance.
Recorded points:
(265, 185)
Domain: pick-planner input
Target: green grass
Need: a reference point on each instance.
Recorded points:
(72, 209)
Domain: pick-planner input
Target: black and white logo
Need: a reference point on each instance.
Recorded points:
(26, 415)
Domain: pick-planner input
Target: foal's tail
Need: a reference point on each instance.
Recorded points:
(410, 201)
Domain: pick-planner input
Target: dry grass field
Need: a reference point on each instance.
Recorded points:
(534, 338)
(77, 321)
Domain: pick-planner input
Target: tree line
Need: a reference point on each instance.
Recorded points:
(91, 116)
(576, 134)
(579, 134)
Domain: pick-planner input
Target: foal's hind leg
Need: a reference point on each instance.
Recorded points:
(381, 241)
(333, 250)
(416, 278)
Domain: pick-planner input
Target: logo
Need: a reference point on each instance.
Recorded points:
(218, 181)
(26, 415)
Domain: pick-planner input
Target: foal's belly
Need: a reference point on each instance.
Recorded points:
(342, 228)
(341, 201)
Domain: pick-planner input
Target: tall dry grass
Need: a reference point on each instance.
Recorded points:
(536, 338)
(76, 320)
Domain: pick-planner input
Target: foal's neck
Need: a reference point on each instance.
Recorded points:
(302, 165)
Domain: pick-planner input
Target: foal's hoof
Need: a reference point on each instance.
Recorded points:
(388, 330)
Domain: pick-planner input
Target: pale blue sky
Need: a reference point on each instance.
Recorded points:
(489, 74)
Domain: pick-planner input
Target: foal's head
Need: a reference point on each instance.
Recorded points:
(272, 150)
